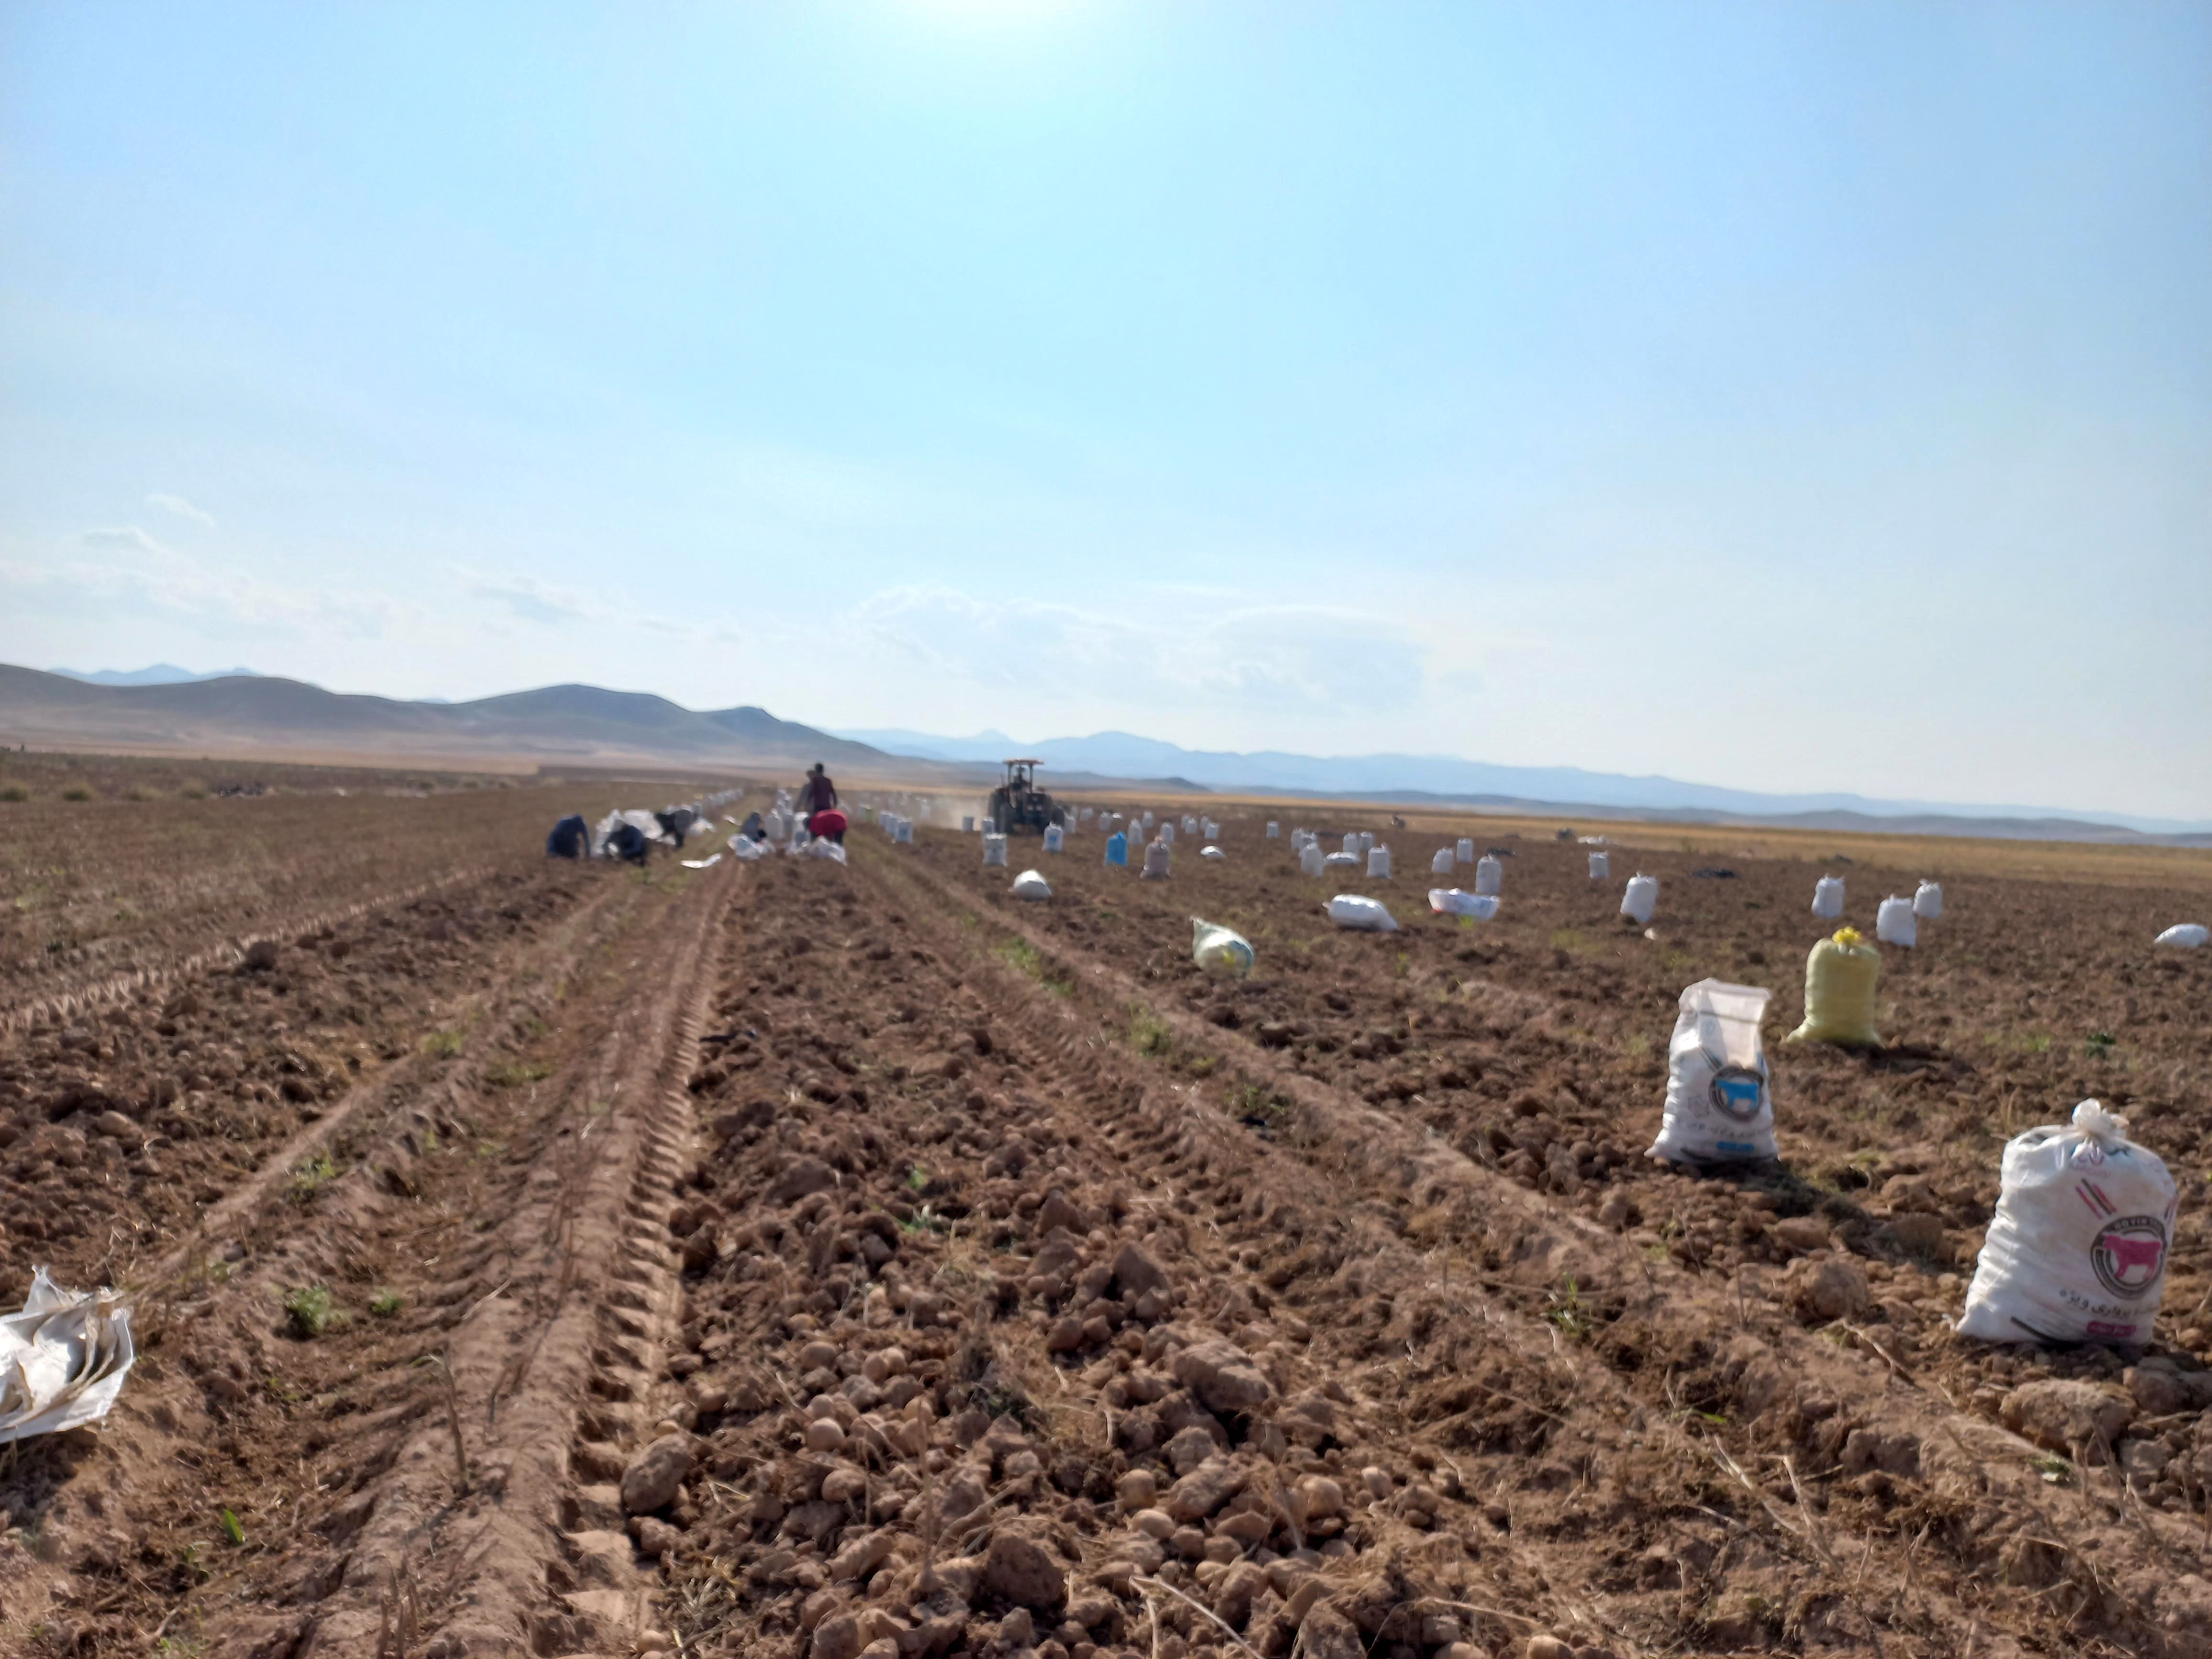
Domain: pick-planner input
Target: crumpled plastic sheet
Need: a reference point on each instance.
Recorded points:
(63, 1359)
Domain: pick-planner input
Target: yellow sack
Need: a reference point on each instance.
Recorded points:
(1840, 981)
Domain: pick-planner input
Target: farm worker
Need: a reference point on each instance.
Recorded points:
(818, 794)
(570, 838)
(827, 825)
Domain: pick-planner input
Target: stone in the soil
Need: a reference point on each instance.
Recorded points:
(1204, 1490)
(1019, 1570)
(1327, 1634)
(1828, 1288)
(2060, 1415)
(1802, 1233)
(1058, 1210)
(656, 1475)
(654, 1538)
(1136, 1272)
(1223, 1375)
(2161, 1390)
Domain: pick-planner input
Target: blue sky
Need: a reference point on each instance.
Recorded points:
(1791, 398)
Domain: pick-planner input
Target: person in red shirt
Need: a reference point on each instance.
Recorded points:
(827, 825)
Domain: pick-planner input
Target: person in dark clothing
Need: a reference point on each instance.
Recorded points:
(818, 794)
(674, 824)
(628, 844)
(570, 838)
(752, 829)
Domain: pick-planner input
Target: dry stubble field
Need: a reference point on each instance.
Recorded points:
(802, 1259)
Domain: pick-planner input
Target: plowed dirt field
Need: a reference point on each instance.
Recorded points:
(848, 1260)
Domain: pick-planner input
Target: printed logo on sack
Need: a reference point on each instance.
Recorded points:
(2129, 1252)
(1736, 1093)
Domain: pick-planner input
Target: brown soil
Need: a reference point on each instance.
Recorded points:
(807, 1259)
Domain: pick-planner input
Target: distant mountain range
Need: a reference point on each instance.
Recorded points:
(1446, 778)
(161, 673)
(244, 714)
(282, 717)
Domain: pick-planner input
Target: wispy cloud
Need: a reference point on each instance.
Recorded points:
(182, 508)
(123, 569)
(1291, 659)
(531, 600)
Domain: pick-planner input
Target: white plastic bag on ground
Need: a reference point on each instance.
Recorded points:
(1828, 898)
(1456, 902)
(2189, 935)
(1367, 914)
(1211, 852)
(1341, 861)
(1157, 855)
(1442, 864)
(1378, 863)
(821, 848)
(1214, 946)
(63, 1359)
(1312, 860)
(2077, 1251)
(703, 863)
(1489, 875)
(1030, 886)
(1928, 901)
(1893, 923)
(1464, 853)
(1601, 867)
(1641, 899)
(1720, 1108)
(994, 852)
(744, 847)
(1054, 837)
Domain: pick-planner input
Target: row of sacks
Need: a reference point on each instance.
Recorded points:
(2076, 1249)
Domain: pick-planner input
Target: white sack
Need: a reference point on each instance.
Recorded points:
(63, 1359)
(1274, 830)
(1489, 875)
(1378, 863)
(1893, 923)
(906, 832)
(1366, 842)
(1211, 852)
(744, 847)
(1190, 824)
(1312, 860)
(994, 852)
(1341, 861)
(1457, 902)
(1641, 899)
(1054, 836)
(1601, 867)
(1442, 864)
(1720, 1108)
(2189, 935)
(967, 823)
(1464, 853)
(1352, 845)
(2077, 1251)
(1928, 901)
(1366, 914)
(1213, 945)
(1167, 835)
(1030, 886)
(1828, 898)
(1157, 856)
(821, 847)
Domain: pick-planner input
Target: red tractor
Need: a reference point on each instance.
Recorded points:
(1019, 803)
